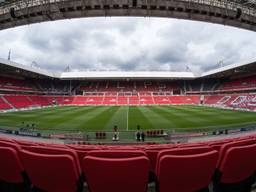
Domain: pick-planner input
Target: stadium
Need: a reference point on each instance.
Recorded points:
(128, 131)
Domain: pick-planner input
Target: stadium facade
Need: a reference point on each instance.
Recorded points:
(231, 86)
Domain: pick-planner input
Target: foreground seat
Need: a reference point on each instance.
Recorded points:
(116, 153)
(12, 175)
(55, 151)
(116, 174)
(51, 173)
(236, 170)
(180, 172)
(225, 147)
(10, 144)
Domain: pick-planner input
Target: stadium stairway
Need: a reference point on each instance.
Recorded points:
(5, 104)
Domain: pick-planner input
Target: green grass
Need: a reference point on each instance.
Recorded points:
(93, 118)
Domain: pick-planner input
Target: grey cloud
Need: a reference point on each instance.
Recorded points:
(127, 44)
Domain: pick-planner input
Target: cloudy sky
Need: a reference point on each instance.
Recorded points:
(127, 44)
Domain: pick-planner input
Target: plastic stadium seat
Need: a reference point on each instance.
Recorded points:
(51, 173)
(192, 145)
(26, 143)
(236, 170)
(6, 139)
(116, 175)
(10, 144)
(54, 145)
(116, 153)
(12, 177)
(186, 173)
(56, 151)
(152, 154)
(183, 151)
(226, 146)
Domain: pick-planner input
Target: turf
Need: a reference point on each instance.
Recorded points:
(92, 118)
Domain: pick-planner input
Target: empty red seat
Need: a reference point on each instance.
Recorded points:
(226, 146)
(181, 172)
(116, 174)
(11, 171)
(182, 145)
(153, 153)
(10, 144)
(236, 169)
(56, 151)
(183, 151)
(6, 139)
(116, 153)
(51, 173)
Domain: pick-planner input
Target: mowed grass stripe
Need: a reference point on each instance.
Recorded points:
(50, 120)
(218, 117)
(177, 118)
(194, 117)
(99, 121)
(159, 121)
(197, 119)
(225, 116)
(119, 118)
(78, 119)
(137, 117)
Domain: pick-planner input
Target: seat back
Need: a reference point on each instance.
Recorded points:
(10, 144)
(116, 153)
(11, 168)
(52, 173)
(238, 164)
(116, 174)
(182, 151)
(183, 173)
(186, 145)
(152, 154)
(55, 151)
(226, 146)
(6, 139)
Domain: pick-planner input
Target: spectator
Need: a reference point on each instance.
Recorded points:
(116, 134)
(138, 134)
(142, 136)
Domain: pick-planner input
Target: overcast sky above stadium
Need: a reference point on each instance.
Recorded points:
(127, 44)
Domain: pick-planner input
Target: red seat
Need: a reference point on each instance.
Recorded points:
(10, 144)
(226, 146)
(26, 143)
(235, 172)
(6, 139)
(116, 174)
(152, 155)
(51, 173)
(56, 151)
(11, 168)
(116, 153)
(183, 151)
(186, 145)
(180, 172)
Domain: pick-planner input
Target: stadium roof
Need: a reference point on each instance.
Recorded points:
(237, 13)
(13, 68)
(127, 75)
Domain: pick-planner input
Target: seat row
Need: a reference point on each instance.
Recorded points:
(228, 164)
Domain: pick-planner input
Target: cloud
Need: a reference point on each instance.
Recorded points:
(127, 44)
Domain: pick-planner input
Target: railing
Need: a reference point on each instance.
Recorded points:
(168, 136)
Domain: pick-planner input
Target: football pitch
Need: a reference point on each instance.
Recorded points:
(95, 118)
